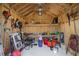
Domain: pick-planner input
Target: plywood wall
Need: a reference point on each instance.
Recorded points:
(5, 35)
(77, 26)
(45, 23)
(43, 19)
(68, 30)
(40, 28)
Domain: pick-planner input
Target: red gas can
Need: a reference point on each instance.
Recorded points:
(45, 41)
(49, 44)
(53, 43)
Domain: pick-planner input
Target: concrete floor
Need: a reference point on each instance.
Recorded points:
(1, 50)
(44, 51)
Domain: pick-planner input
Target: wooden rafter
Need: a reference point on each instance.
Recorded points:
(29, 13)
(11, 4)
(22, 7)
(47, 13)
(27, 10)
(33, 8)
(23, 10)
(69, 8)
(14, 5)
(46, 9)
(51, 13)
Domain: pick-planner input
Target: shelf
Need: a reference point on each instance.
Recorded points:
(42, 35)
(41, 25)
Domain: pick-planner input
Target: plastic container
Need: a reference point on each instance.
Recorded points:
(39, 43)
(57, 33)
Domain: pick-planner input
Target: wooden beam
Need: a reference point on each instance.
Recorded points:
(6, 6)
(49, 14)
(59, 9)
(32, 14)
(26, 12)
(26, 9)
(46, 8)
(63, 8)
(22, 7)
(69, 8)
(32, 8)
(29, 13)
(14, 5)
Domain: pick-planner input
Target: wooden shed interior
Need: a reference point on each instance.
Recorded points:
(39, 18)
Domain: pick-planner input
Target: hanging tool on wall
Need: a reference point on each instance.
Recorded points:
(68, 16)
(74, 14)
(12, 23)
(74, 38)
(6, 14)
(18, 24)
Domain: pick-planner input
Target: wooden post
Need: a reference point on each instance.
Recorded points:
(74, 25)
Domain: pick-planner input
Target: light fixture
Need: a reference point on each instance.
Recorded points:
(40, 9)
(40, 13)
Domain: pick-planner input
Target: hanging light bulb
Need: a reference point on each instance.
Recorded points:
(40, 9)
(40, 13)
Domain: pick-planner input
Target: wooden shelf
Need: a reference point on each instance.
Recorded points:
(41, 25)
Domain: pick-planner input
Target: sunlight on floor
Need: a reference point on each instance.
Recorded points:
(44, 51)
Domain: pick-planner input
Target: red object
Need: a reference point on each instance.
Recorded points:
(16, 53)
(54, 42)
(6, 13)
(45, 41)
(49, 44)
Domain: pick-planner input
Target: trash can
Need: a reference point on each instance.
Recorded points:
(40, 41)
